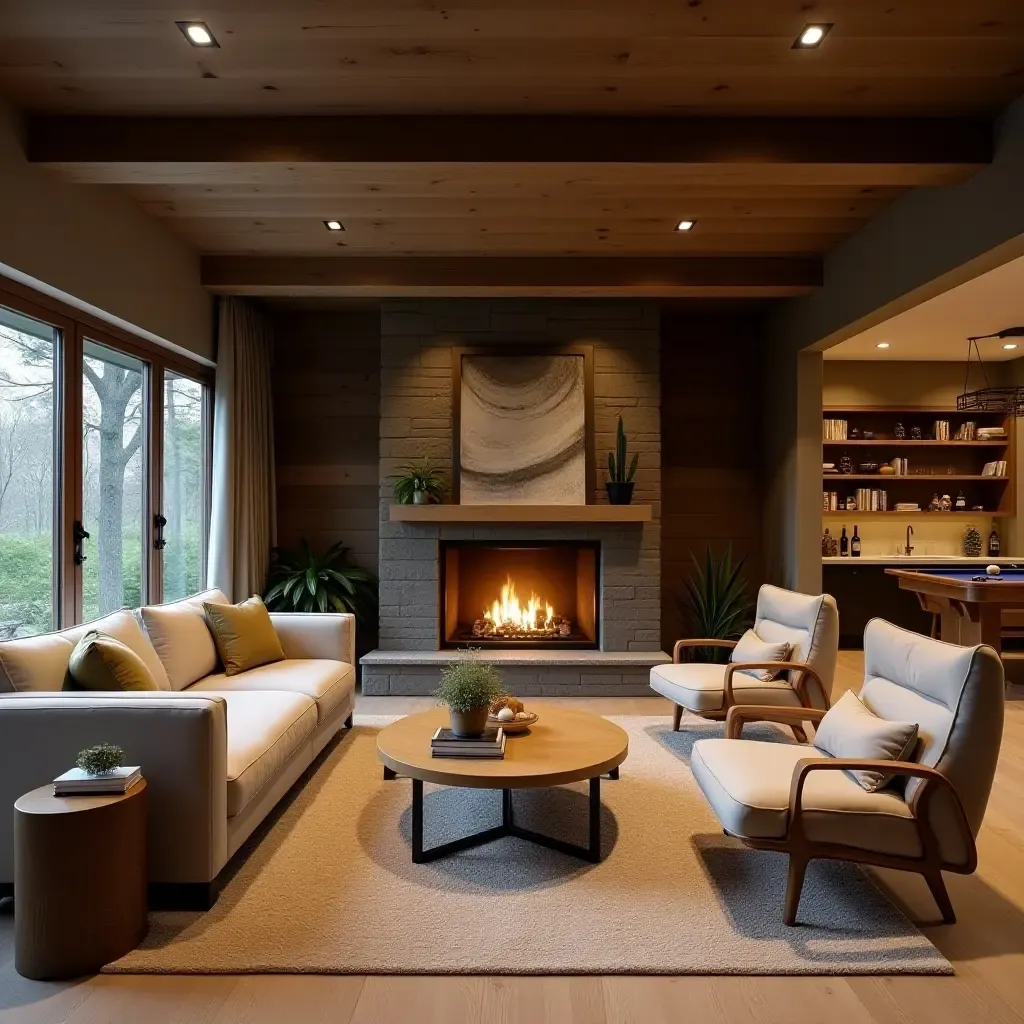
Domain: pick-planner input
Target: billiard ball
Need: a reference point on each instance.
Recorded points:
(993, 570)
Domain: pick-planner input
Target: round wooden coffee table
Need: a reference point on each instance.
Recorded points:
(563, 746)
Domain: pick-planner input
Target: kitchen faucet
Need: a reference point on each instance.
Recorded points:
(909, 547)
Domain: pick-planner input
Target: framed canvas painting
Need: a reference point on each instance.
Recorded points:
(523, 426)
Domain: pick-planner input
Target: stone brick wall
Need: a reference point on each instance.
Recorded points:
(417, 341)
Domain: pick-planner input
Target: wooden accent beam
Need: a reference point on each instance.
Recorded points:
(769, 277)
(951, 143)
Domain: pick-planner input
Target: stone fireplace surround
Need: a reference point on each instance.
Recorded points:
(418, 338)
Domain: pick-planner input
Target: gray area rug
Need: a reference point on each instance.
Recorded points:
(330, 887)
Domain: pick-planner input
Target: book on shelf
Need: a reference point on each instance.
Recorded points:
(490, 744)
(76, 782)
(833, 430)
(997, 468)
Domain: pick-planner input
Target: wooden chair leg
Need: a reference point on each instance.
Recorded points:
(799, 733)
(677, 717)
(941, 896)
(794, 886)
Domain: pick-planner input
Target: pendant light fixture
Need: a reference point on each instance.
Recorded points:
(1004, 399)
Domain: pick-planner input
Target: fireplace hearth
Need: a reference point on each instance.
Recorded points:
(514, 595)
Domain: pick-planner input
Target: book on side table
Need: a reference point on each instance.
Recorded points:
(490, 743)
(78, 783)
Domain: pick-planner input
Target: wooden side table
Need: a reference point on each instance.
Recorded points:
(79, 881)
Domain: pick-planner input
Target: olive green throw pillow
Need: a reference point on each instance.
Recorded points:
(244, 635)
(99, 662)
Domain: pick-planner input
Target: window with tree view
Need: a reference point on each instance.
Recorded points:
(184, 485)
(28, 364)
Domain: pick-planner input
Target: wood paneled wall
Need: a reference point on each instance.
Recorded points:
(711, 424)
(326, 425)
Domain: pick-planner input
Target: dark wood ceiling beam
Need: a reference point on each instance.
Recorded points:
(460, 276)
(922, 142)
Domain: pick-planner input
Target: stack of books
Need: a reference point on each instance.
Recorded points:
(997, 468)
(78, 783)
(490, 744)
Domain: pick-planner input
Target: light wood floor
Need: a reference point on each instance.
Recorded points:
(986, 948)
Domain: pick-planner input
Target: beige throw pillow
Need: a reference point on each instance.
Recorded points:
(182, 638)
(99, 662)
(849, 729)
(752, 648)
(244, 635)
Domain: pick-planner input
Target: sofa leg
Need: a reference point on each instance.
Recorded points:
(182, 895)
(794, 886)
(677, 717)
(348, 721)
(941, 896)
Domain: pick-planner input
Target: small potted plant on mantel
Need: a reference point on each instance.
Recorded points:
(419, 483)
(468, 687)
(620, 486)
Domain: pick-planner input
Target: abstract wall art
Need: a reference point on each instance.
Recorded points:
(523, 427)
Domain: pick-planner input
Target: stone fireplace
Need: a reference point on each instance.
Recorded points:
(440, 570)
(520, 595)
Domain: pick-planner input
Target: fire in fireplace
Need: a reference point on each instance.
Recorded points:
(529, 594)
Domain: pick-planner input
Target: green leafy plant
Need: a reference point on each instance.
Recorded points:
(717, 602)
(99, 760)
(617, 459)
(420, 475)
(299, 581)
(468, 684)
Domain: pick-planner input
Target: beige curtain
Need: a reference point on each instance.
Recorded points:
(243, 521)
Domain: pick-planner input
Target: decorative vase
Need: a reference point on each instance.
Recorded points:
(420, 498)
(468, 724)
(620, 494)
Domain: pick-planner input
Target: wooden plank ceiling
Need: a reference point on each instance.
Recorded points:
(764, 186)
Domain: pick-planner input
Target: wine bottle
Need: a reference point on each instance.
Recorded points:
(855, 544)
(844, 543)
(993, 543)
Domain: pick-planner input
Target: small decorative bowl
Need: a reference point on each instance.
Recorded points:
(511, 728)
(868, 467)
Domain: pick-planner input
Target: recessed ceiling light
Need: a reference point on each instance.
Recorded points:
(334, 225)
(811, 36)
(686, 225)
(197, 33)
(1010, 345)
(882, 344)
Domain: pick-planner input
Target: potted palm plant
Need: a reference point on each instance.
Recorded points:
(620, 486)
(419, 483)
(467, 689)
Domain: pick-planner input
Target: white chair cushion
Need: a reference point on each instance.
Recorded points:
(752, 648)
(747, 784)
(264, 731)
(700, 687)
(181, 637)
(327, 682)
(849, 729)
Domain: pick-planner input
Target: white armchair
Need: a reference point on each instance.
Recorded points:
(810, 625)
(795, 799)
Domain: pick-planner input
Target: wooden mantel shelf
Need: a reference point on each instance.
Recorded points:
(520, 514)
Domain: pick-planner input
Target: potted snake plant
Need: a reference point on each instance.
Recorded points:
(620, 486)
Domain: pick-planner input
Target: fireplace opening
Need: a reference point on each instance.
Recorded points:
(512, 595)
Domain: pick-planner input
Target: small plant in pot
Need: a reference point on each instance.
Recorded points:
(468, 686)
(419, 483)
(620, 486)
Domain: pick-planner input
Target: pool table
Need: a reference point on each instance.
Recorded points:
(971, 608)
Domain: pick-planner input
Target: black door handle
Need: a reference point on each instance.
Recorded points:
(159, 522)
(81, 535)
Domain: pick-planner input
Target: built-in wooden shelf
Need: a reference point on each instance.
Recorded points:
(929, 443)
(847, 513)
(513, 514)
(909, 477)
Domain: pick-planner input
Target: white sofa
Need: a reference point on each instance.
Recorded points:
(217, 752)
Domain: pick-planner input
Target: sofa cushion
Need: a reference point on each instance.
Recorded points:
(747, 783)
(264, 730)
(39, 663)
(244, 635)
(751, 648)
(99, 662)
(181, 637)
(327, 682)
(700, 687)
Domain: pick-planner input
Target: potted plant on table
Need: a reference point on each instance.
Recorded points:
(468, 687)
(620, 486)
(419, 483)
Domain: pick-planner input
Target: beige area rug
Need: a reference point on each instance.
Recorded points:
(330, 886)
